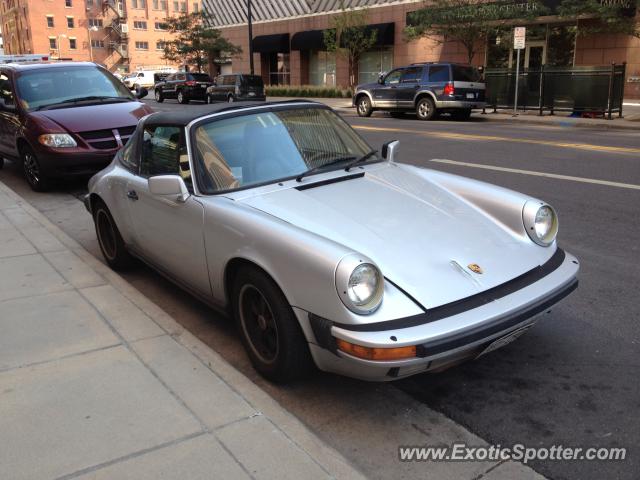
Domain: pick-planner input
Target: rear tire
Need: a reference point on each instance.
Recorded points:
(268, 327)
(425, 109)
(158, 95)
(32, 170)
(363, 106)
(462, 115)
(182, 98)
(111, 244)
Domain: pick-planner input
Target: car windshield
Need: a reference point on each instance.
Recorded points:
(252, 80)
(52, 86)
(465, 74)
(266, 147)
(200, 77)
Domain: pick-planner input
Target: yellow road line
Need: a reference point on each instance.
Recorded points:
(494, 138)
(539, 174)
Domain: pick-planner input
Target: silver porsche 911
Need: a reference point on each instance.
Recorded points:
(323, 250)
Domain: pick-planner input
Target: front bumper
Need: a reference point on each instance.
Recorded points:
(62, 164)
(443, 340)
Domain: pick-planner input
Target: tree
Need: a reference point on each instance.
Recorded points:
(195, 41)
(467, 21)
(602, 16)
(350, 37)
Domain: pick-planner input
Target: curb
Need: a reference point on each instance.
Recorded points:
(330, 459)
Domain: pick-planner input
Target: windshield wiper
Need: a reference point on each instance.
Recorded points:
(313, 170)
(363, 158)
(81, 99)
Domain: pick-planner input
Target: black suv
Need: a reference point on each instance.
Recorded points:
(230, 88)
(183, 87)
(426, 88)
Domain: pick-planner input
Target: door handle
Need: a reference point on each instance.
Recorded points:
(132, 195)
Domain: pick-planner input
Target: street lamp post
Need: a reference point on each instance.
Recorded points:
(250, 36)
(89, 30)
(62, 35)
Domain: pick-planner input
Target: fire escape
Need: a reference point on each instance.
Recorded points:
(118, 31)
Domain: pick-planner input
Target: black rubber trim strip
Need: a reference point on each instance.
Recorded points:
(469, 303)
(330, 181)
(451, 343)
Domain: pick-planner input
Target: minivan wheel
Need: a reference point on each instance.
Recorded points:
(32, 171)
(111, 244)
(182, 98)
(364, 106)
(231, 99)
(268, 327)
(425, 109)
(158, 95)
(209, 101)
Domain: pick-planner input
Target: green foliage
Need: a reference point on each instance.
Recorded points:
(308, 91)
(195, 41)
(349, 37)
(602, 17)
(467, 21)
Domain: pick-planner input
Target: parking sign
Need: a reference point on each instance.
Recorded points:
(519, 35)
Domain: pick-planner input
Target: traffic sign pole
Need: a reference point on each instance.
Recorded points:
(515, 101)
(519, 36)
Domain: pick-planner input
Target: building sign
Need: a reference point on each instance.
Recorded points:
(519, 36)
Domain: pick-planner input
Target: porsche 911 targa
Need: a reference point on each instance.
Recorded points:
(323, 250)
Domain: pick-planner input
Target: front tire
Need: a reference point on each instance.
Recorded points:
(33, 171)
(182, 98)
(209, 101)
(231, 99)
(158, 95)
(425, 109)
(363, 106)
(111, 244)
(269, 329)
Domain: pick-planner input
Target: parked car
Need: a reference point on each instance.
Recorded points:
(426, 88)
(184, 87)
(64, 119)
(143, 78)
(236, 87)
(323, 250)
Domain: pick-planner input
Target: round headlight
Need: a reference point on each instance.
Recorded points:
(541, 222)
(360, 284)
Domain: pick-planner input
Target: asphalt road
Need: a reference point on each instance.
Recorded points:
(572, 380)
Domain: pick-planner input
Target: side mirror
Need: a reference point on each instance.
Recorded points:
(143, 92)
(381, 79)
(390, 150)
(6, 108)
(171, 186)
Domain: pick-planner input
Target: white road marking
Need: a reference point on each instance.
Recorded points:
(539, 174)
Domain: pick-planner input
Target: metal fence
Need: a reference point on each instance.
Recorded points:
(598, 90)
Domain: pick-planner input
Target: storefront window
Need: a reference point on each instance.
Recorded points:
(322, 68)
(279, 70)
(373, 63)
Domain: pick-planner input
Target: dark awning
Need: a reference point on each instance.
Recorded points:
(385, 33)
(309, 40)
(278, 43)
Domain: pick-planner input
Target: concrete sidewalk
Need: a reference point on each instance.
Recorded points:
(630, 120)
(98, 382)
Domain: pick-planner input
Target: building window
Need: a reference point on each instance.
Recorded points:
(279, 72)
(97, 43)
(163, 5)
(72, 43)
(142, 45)
(53, 44)
(95, 22)
(70, 22)
(183, 6)
(138, 4)
(68, 3)
(156, 5)
(89, 3)
(195, 7)
(160, 26)
(176, 6)
(373, 63)
(160, 45)
(322, 68)
(50, 23)
(140, 25)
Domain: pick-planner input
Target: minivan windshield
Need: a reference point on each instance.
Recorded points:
(463, 73)
(52, 87)
(265, 147)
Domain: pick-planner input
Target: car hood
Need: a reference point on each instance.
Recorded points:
(367, 86)
(422, 236)
(96, 117)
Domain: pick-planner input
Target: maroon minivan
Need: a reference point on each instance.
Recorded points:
(64, 119)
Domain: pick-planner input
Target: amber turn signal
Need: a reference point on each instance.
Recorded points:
(370, 353)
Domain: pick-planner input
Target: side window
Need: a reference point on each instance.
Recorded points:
(393, 78)
(127, 156)
(6, 91)
(230, 80)
(181, 77)
(164, 152)
(411, 75)
(439, 73)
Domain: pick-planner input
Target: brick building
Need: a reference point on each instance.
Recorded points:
(122, 35)
(289, 47)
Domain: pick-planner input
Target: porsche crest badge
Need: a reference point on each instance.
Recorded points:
(475, 268)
